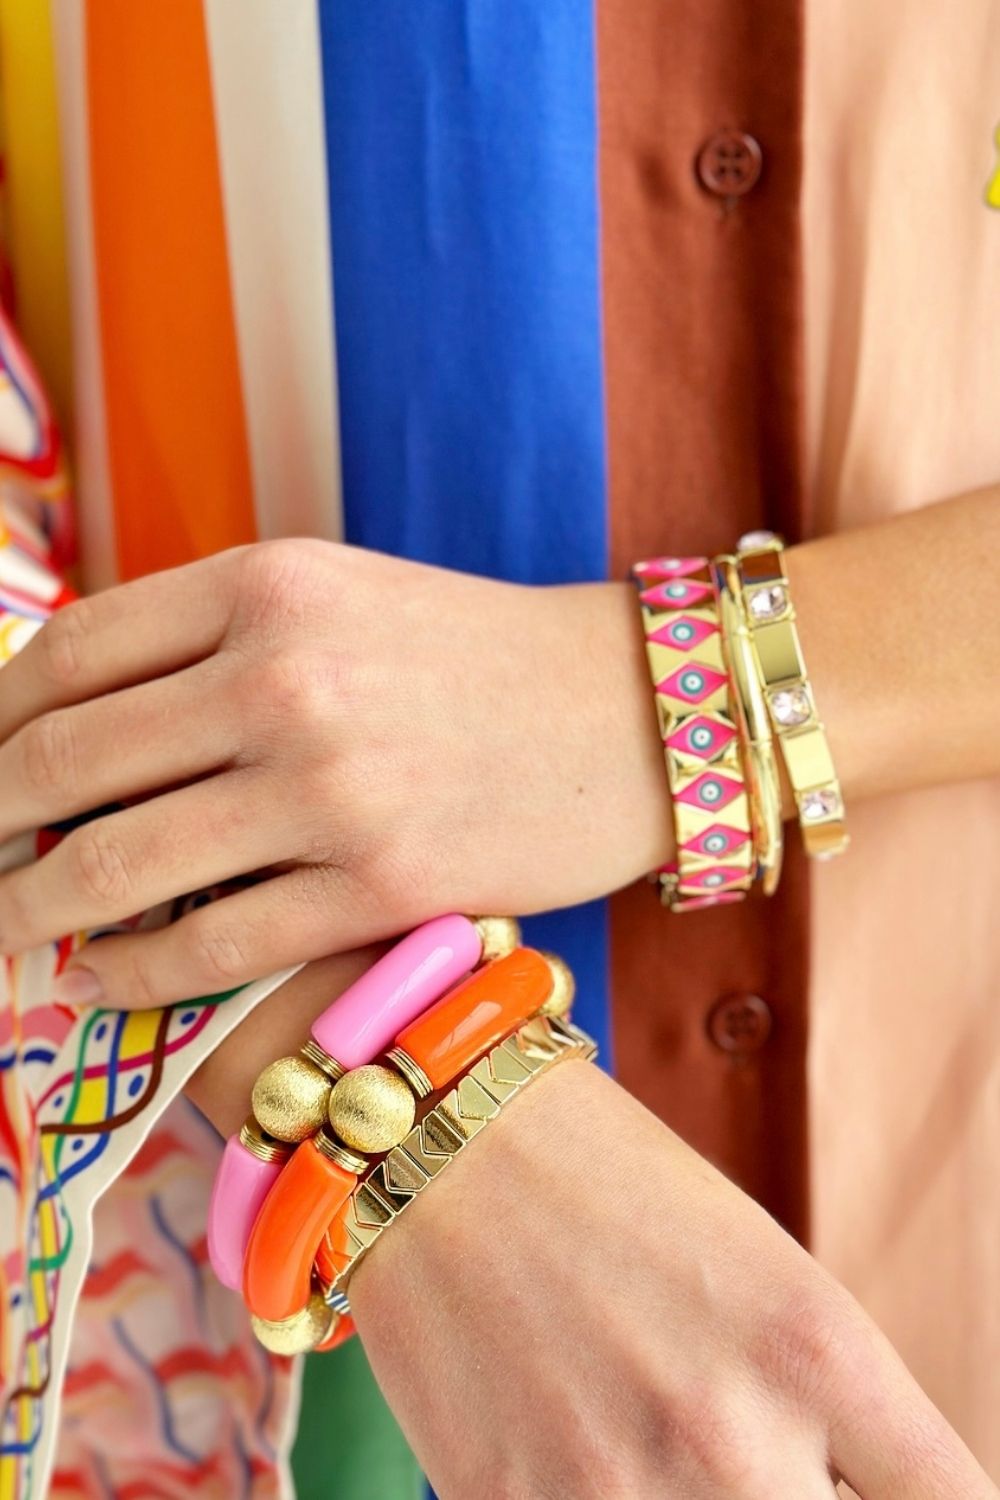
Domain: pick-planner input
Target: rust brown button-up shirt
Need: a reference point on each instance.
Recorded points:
(833, 358)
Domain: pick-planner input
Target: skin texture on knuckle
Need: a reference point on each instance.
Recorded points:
(812, 1350)
(296, 699)
(218, 953)
(276, 580)
(101, 868)
(48, 756)
(60, 644)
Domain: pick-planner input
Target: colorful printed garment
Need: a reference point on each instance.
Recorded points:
(165, 1388)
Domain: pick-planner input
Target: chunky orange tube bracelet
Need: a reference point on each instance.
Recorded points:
(478, 1012)
(371, 1109)
(278, 1266)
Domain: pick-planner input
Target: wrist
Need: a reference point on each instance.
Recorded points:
(618, 717)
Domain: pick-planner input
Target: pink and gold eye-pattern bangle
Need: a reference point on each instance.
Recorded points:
(788, 695)
(715, 860)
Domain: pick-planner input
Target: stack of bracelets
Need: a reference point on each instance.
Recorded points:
(732, 695)
(463, 1018)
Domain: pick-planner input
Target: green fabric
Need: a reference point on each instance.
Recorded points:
(349, 1446)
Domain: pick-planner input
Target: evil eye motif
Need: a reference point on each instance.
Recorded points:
(692, 684)
(677, 594)
(684, 633)
(718, 878)
(717, 841)
(703, 737)
(710, 791)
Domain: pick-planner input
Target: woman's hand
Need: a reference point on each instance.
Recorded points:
(377, 740)
(581, 1308)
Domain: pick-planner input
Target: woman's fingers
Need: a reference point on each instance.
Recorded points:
(118, 865)
(891, 1443)
(122, 636)
(307, 913)
(158, 734)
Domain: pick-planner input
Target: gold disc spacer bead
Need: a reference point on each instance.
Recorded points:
(372, 1108)
(289, 1098)
(411, 1071)
(335, 1152)
(299, 1333)
(314, 1053)
(563, 987)
(262, 1145)
(500, 936)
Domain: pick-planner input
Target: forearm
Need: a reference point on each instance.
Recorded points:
(900, 630)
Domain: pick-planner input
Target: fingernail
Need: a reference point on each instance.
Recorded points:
(77, 987)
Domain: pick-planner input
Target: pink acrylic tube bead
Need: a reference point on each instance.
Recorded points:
(361, 1023)
(423, 966)
(242, 1182)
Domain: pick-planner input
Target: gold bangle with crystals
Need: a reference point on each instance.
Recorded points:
(438, 1138)
(754, 725)
(715, 859)
(788, 695)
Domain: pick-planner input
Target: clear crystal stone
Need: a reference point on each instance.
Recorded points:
(769, 602)
(821, 804)
(753, 541)
(790, 706)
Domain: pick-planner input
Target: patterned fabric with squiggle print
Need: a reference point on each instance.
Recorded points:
(107, 1306)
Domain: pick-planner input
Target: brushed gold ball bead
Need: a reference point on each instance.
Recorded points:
(372, 1108)
(500, 935)
(563, 987)
(299, 1333)
(289, 1098)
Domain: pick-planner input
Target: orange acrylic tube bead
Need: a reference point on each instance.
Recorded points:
(478, 1013)
(292, 1222)
(336, 1249)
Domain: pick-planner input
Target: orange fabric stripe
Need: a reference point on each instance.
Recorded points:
(176, 425)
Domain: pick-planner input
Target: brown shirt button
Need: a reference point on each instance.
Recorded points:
(740, 1023)
(729, 163)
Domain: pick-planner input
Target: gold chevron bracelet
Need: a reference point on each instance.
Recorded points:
(788, 695)
(444, 1131)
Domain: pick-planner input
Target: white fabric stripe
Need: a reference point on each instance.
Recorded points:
(89, 446)
(268, 93)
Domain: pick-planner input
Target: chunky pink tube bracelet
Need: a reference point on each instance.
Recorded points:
(250, 1166)
(290, 1096)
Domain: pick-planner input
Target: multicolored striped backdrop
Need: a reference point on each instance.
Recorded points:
(325, 268)
(333, 269)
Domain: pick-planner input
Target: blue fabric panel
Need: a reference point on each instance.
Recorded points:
(461, 140)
